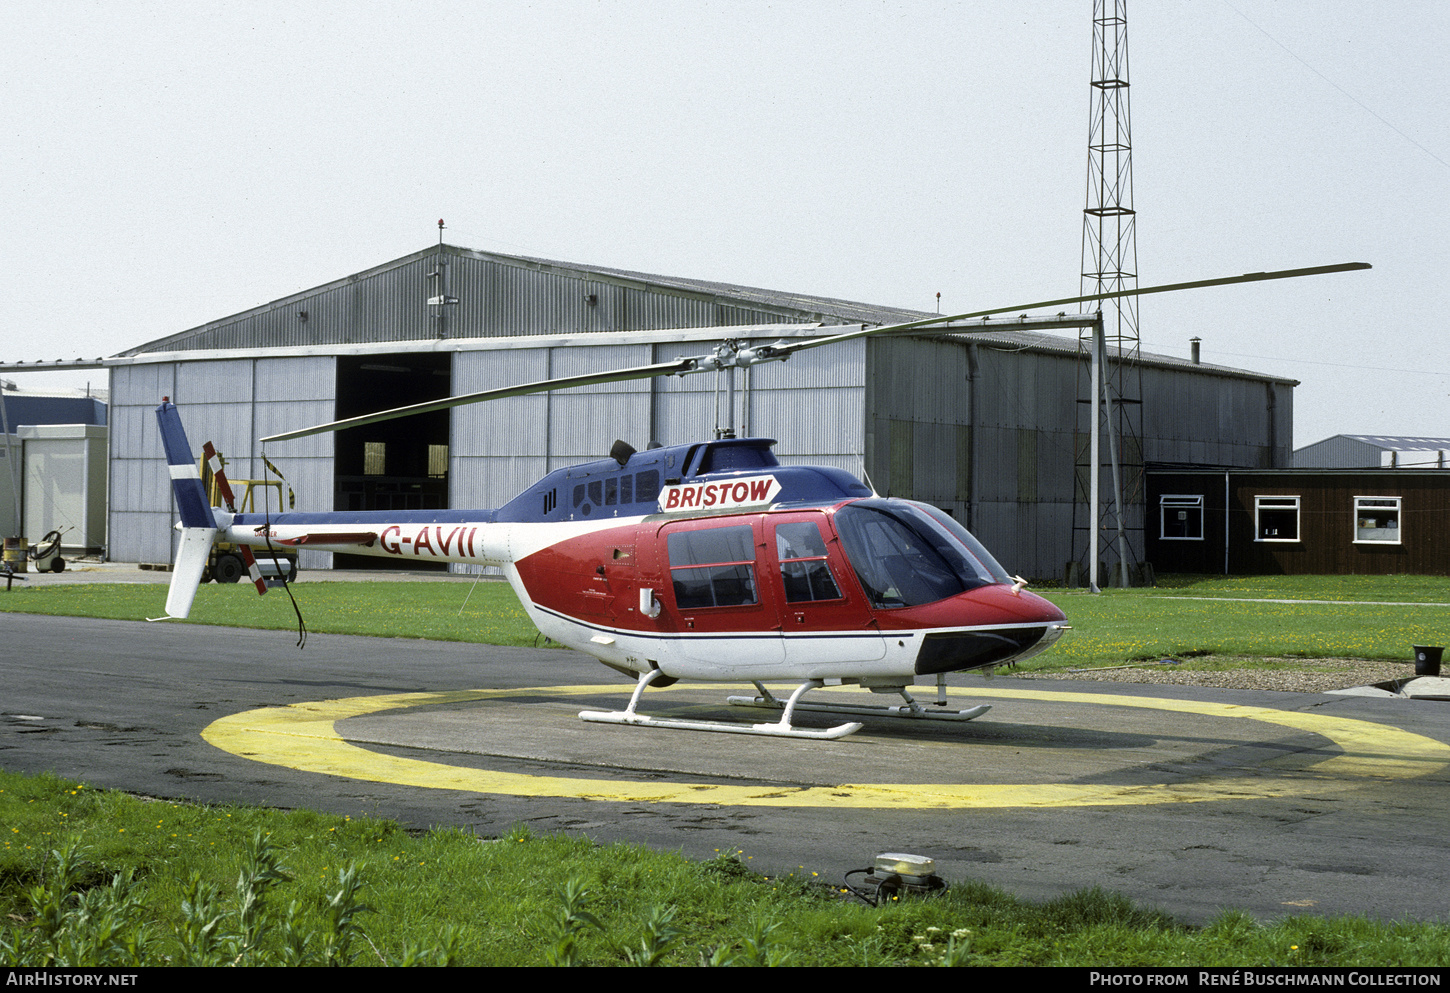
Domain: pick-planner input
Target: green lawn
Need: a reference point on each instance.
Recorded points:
(1370, 617)
(490, 613)
(1182, 616)
(92, 877)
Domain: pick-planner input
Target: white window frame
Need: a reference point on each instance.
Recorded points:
(1380, 504)
(1277, 502)
(1180, 502)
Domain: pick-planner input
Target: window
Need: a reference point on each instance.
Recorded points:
(647, 486)
(438, 461)
(1180, 517)
(1377, 520)
(904, 555)
(803, 569)
(1276, 518)
(375, 458)
(713, 567)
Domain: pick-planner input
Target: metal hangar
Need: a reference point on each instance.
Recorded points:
(983, 423)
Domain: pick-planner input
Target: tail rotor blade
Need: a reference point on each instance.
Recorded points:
(250, 561)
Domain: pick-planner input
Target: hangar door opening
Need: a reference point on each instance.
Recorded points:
(394, 465)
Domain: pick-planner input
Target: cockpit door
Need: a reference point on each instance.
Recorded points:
(824, 616)
(716, 567)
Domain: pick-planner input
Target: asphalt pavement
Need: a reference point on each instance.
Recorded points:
(1189, 799)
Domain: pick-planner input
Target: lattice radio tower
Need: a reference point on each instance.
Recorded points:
(1111, 534)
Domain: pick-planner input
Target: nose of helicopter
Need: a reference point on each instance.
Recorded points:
(1003, 604)
(998, 624)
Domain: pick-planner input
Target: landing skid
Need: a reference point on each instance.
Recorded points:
(781, 729)
(911, 711)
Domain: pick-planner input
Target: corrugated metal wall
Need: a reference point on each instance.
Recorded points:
(899, 409)
(1213, 419)
(1338, 452)
(1010, 476)
(141, 510)
(500, 448)
(812, 405)
(230, 403)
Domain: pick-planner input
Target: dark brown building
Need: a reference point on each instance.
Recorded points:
(1315, 521)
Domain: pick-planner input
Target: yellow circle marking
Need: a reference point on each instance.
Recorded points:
(303, 736)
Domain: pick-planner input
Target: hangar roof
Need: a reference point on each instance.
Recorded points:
(509, 296)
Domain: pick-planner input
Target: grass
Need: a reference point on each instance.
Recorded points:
(1182, 618)
(1416, 589)
(490, 613)
(1185, 617)
(91, 877)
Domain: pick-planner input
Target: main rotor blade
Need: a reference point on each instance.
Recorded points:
(428, 407)
(1249, 277)
(681, 366)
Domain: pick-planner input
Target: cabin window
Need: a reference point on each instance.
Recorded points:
(1180, 517)
(1276, 518)
(611, 491)
(626, 489)
(803, 569)
(647, 486)
(713, 567)
(1377, 520)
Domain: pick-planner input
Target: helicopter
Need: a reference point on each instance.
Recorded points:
(704, 561)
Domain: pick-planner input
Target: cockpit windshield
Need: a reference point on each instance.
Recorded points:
(907, 554)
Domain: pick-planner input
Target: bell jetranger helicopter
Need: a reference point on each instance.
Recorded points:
(707, 561)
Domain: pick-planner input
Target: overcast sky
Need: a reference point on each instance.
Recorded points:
(166, 164)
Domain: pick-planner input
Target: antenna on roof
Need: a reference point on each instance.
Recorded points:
(440, 232)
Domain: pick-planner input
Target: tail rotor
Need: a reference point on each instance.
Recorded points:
(219, 474)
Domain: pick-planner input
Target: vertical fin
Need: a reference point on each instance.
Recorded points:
(191, 501)
(198, 523)
(191, 560)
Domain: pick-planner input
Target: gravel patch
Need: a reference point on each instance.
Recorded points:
(1292, 675)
